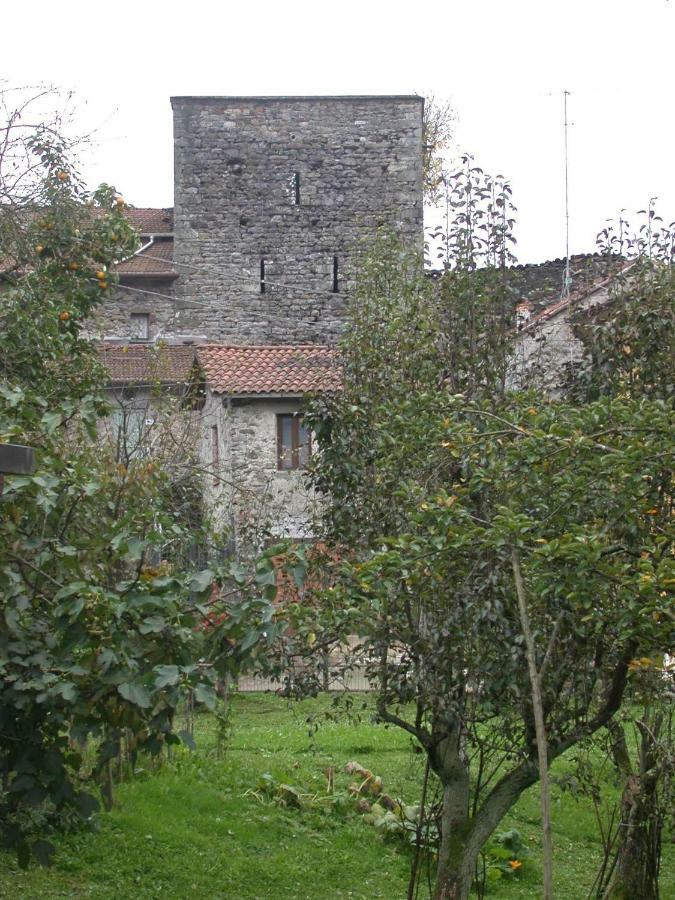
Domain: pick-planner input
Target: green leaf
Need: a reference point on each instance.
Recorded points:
(15, 482)
(251, 637)
(153, 624)
(106, 658)
(70, 589)
(238, 572)
(135, 693)
(266, 576)
(205, 694)
(202, 581)
(43, 851)
(135, 549)
(13, 395)
(51, 421)
(187, 739)
(12, 620)
(86, 805)
(73, 607)
(299, 573)
(166, 675)
(65, 689)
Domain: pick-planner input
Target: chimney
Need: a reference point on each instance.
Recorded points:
(523, 313)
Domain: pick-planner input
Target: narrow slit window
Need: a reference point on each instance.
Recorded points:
(293, 188)
(262, 276)
(336, 287)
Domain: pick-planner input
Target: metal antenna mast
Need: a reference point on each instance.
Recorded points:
(567, 281)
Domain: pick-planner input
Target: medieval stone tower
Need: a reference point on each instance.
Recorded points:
(274, 196)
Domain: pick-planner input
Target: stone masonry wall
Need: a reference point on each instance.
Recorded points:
(359, 165)
(166, 318)
(543, 352)
(264, 500)
(244, 490)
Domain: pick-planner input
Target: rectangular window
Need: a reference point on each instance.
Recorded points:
(262, 276)
(140, 326)
(294, 445)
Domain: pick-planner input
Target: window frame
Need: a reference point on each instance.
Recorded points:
(143, 317)
(296, 463)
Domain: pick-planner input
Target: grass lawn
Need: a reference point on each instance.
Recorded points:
(195, 829)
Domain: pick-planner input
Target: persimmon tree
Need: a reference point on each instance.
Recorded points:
(104, 629)
(446, 497)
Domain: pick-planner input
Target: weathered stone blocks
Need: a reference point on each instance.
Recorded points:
(359, 164)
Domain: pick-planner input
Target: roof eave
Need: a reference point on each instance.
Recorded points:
(258, 395)
(292, 98)
(134, 382)
(546, 315)
(141, 276)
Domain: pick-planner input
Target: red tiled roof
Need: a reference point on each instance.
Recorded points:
(270, 368)
(147, 363)
(149, 220)
(155, 262)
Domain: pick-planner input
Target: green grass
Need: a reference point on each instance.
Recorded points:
(196, 829)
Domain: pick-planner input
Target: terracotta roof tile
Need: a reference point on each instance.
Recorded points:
(270, 368)
(155, 262)
(147, 363)
(151, 221)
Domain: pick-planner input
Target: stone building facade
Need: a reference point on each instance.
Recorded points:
(253, 435)
(275, 198)
(232, 412)
(548, 340)
(145, 293)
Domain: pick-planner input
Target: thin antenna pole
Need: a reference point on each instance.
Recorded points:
(652, 201)
(568, 278)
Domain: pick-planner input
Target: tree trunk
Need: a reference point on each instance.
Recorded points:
(456, 858)
(539, 724)
(456, 861)
(636, 873)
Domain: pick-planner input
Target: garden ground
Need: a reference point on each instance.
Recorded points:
(199, 827)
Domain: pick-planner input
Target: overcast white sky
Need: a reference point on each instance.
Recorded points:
(503, 65)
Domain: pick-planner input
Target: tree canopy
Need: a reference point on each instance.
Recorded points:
(107, 626)
(446, 496)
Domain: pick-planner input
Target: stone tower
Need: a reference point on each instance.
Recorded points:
(273, 197)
